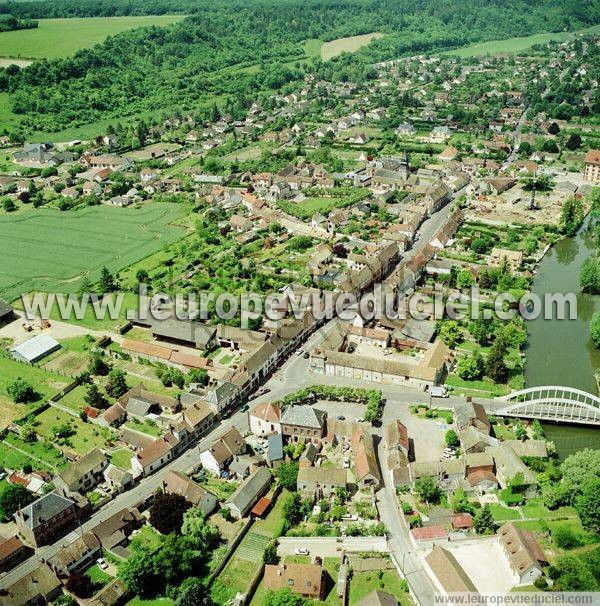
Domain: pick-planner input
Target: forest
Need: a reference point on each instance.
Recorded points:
(196, 61)
(9, 23)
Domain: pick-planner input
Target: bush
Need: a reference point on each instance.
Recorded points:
(407, 508)
(565, 538)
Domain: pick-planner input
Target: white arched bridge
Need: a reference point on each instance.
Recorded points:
(550, 403)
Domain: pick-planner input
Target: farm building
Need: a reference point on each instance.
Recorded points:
(35, 349)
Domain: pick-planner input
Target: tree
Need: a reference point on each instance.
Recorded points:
(116, 385)
(460, 502)
(427, 490)
(197, 375)
(589, 276)
(451, 438)
(450, 333)
(21, 391)
(565, 538)
(573, 142)
(270, 553)
(106, 283)
(520, 431)
(595, 328)
(483, 522)
(553, 129)
(572, 215)
(202, 534)
(9, 205)
(195, 594)
(283, 597)
(97, 365)
(588, 505)
(12, 498)
(172, 376)
(137, 573)
(94, 397)
(288, 475)
(166, 513)
(578, 470)
(514, 333)
(495, 366)
(464, 279)
(80, 585)
(470, 368)
(482, 330)
(141, 275)
(292, 509)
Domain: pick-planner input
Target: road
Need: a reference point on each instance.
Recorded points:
(517, 138)
(330, 547)
(292, 376)
(185, 462)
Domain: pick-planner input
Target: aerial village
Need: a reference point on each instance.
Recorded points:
(350, 462)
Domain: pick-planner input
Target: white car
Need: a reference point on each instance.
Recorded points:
(102, 563)
(358, 419)
(346, 462)
(301, 551)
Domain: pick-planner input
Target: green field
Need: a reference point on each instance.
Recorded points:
(55, 38)
(514, 45)
(344, 45)
(56, 249)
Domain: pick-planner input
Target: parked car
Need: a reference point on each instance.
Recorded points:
(244, 408)
(346, 462)
(301, 551)
(259, 450)
(358, 419)
(102, 563)
(438, 391)
(341, 418)
(349, 517)
(300, 352)
(306, 355)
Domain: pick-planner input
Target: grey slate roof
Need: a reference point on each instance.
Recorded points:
(303, 416)
(247, 493)
(45, 508)
(275, 443)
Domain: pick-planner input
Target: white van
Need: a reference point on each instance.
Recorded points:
(438, 391)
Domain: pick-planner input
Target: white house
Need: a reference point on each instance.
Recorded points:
(265, 419)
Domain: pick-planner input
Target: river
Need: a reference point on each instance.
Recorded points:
(560, 352)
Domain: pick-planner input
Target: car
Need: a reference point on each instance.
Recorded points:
(449, 450)
(300, 352)
(301, 551)
(341, 418)
(358, 419)
(306, 355)
(262, 391)
(102, 563)
(346, 462)
(259, 450)
(244, 408)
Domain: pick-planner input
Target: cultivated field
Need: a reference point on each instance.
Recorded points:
(514, 45)
(55, 38)
(56, 249)
(346, 45)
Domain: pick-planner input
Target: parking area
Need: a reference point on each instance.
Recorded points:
(478, 559)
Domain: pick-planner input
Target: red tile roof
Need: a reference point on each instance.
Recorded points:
(263, 504)
(429, 533)
(462, 520)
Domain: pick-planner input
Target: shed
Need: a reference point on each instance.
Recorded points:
(35, 349)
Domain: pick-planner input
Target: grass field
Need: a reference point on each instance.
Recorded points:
(344, 45)
(56, 249)
(55, 38)
(46, 384)
(363, 583)
(514, 45)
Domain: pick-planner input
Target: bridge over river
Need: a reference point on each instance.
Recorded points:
(549, 403)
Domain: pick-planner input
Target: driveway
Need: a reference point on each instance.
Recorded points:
(328, 547)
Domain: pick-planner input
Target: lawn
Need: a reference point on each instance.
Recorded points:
(504, 514)
(147, 427)
(101, 236)
(122, 458)
(85, 436)
(475, 387)
(13, 459)
(54, 38)
(45, 383)
(155, 602)
(363, 583)
(147, 537)
(222, 489)
(344, 45)
(98, 576)
(42, 452)
(514, 45)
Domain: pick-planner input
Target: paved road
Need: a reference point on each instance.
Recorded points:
(145, 487)
(330, 547)
(517, 138)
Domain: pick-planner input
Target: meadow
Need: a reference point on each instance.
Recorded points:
(514, 45)
(57, 248)
(346, 45)
(56, 38)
